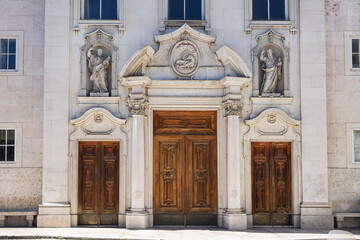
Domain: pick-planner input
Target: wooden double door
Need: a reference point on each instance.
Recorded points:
(98, 183)
(271, 183)
(185, 168)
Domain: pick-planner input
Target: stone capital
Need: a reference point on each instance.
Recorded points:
(233, 107)
(137, 106)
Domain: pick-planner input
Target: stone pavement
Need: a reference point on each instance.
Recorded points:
(165, 233)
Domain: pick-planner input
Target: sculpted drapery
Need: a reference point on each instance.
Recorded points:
(272, 72)
(98, 68)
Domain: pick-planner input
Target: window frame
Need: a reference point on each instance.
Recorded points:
(6, 144)
(78, 21)
(165, 22)
(268, 12)
(18, 144)
(202, 12)
(100, 19)
(350, 128)
(348, 37)
(19, 52)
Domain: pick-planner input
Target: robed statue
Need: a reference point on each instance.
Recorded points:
(272, 72)
(98, 68)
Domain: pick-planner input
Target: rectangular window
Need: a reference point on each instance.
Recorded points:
(355, 53)
(356, 146)
(185, 9)
(100, 9)
(274, 10)
(7, 54)
(7, 145)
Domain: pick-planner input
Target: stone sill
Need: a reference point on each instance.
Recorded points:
(98, 100)
(179, 23)
(95, 22)
(10, 72)
(272, 100)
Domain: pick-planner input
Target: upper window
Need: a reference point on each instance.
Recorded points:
(7, 54)
(100, 9)
(355, 53)
(7, 145)
(274, 10)
(185, 10)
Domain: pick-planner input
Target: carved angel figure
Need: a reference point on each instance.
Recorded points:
(272, 72)
(98, 67)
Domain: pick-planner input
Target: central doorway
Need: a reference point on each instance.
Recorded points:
(185, 168)
(98, 183)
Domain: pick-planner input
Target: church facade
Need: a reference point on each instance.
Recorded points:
(137, 113)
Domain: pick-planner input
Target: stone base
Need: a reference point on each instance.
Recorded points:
(137, 220)
(235, 221)
(122, 220)
(99, 94)
(54, 215)
(317, 216)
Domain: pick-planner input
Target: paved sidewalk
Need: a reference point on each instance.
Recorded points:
(165, 233)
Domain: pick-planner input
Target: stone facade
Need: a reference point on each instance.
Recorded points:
(155, 64)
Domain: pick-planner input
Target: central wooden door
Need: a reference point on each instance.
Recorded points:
(271, 183)
(185, 168)
(98, 183)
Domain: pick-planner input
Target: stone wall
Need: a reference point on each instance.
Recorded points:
(343, 96)
(21, 105)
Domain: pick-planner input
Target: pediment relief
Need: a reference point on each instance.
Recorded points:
(185, 54)
(275, 124)
(97, 121)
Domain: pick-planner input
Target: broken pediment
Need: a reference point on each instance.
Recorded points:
(97, 121)
(185, 54)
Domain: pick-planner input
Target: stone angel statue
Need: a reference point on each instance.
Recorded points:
(98, 68)
(272, 72)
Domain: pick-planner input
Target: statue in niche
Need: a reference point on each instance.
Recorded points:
(272, 73)
(98, 68)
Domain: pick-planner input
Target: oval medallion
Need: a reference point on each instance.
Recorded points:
(185, 58)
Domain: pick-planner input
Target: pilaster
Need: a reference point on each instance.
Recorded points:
(315, 209)
(137, 217)
(55, 209)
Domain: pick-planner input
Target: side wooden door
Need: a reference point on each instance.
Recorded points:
(98, 183)
(271, 183)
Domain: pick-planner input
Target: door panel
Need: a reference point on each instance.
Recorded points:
(201, 177)
(168, 174)
(185, 168)
(271, 183)
(98, 182)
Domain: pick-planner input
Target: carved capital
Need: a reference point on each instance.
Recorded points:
(232, 107)
(137, 106)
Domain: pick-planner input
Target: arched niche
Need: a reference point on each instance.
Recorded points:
(98, 39)
(276, 42)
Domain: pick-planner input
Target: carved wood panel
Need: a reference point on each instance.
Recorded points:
(271, 183)
(98, 179)
(201, 173)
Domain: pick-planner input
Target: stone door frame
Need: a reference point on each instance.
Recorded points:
(281, 128)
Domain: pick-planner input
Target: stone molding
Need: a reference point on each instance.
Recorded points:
(138, 62)
(272, 123)
(137, 106)
(187, 30)
(232, 61)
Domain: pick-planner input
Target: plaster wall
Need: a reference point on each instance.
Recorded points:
(342, 97)
(21, 105)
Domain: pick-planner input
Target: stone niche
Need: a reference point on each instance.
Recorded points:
(273, 41)
(95, 41)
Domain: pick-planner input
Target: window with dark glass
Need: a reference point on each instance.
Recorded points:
(100, 9)
(355, 53)
(185, 9)
(7, 145)
(7, 54)
(269, 10)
